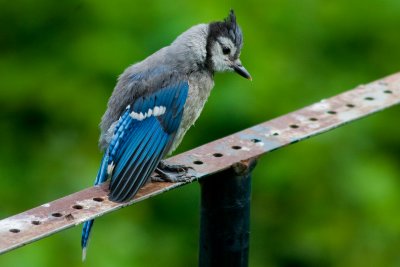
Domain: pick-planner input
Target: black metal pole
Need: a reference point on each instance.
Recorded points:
(225, 217)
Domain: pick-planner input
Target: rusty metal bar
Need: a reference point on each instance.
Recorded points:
(225, 217)
(208, 159)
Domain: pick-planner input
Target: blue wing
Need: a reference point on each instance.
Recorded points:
(142, 137)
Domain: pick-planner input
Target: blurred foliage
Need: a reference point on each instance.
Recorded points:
(329, 201)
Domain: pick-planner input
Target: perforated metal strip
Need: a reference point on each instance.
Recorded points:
(211, 158)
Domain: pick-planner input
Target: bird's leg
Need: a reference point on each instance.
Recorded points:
(172, 173)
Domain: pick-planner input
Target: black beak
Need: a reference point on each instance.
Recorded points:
(239, 69)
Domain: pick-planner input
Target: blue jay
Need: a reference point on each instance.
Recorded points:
(156, 101)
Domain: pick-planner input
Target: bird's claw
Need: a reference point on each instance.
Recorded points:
(175, 168)
(172, 173)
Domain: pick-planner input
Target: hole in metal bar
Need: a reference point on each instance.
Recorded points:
(14, 230)
(77, 207)
(313, 119)
(275, 134)
(294, 126)
(98, 199)
(198, 162)
(217, 155)
(331, 112)
(35, 222)
(387, 91)
(255, 140)
(56, 214)
(369, 98)
(236, 147)
(350, 105)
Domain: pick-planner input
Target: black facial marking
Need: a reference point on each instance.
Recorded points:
(227, 28)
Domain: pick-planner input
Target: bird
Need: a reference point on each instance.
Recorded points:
(156, 101)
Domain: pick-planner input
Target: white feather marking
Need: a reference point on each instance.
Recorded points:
(142, 117)
(110, 168)
(135, 116)
(156, 111)
(83, 254)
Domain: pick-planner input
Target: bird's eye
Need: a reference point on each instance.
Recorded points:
(226, 50)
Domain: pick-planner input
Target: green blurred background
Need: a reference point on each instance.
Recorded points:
(329, 201)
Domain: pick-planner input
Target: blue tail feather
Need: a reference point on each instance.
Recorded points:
(87, 227)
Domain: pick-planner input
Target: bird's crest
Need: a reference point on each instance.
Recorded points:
(227, 28)
(234, 31)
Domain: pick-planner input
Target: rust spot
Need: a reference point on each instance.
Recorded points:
(69, 217)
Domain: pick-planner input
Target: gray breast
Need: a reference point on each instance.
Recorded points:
(200, 85)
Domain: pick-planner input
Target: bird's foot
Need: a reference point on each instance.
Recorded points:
(173, 167)
(172, 173)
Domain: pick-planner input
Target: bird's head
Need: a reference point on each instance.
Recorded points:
(224, 43)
